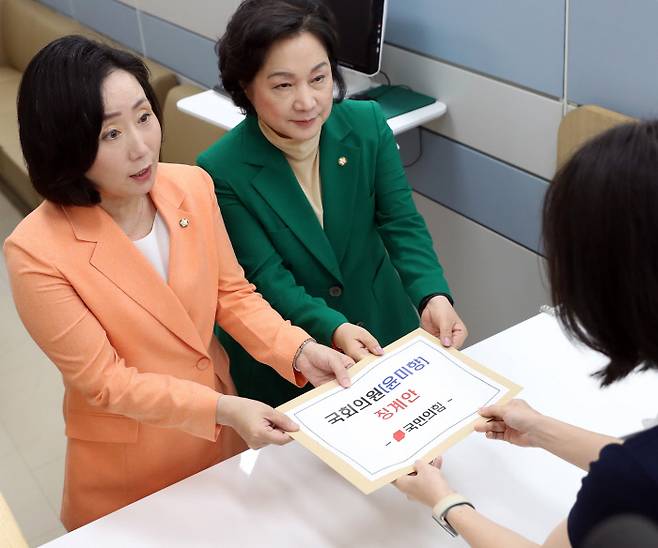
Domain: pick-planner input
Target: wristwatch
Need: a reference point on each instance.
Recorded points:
(443, 506)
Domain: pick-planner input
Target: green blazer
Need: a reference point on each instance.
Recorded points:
(371, 265)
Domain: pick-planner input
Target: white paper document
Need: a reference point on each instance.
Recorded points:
(398, 408)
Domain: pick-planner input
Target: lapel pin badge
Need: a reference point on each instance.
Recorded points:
(342, 161)
(184, 222)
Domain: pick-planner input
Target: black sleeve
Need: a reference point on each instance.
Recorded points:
(616, 484)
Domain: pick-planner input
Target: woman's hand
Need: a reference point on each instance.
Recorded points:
(440, 319)
(355, 341)
(256, 423)
(514, 422)
(427, 485)
(321, 364)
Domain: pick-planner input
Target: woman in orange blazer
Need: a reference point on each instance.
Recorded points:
(119, 276)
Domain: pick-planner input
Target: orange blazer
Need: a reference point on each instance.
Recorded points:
(141, 367)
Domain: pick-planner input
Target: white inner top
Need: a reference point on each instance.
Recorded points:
(155, 247)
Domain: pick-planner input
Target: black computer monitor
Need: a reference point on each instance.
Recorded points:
(360, 25)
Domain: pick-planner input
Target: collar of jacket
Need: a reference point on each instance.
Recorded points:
(119, 260)
(276, 183)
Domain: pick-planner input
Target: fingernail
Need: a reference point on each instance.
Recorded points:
(446, 341)
(379, 349)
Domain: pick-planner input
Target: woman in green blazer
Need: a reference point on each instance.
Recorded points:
(315, 198)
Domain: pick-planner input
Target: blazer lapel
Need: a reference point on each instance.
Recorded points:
(276, 183)
(187, 251)
(339, 172)
(117, 258)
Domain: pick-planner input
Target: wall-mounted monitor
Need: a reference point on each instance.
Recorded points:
(360, 25)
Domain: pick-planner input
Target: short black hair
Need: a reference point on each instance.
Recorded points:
(600, 233)
(60, 114)
(256, 26)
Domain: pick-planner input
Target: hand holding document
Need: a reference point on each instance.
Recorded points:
(412, 403)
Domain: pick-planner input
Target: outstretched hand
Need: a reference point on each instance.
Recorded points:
(440, 319)
(356, 342)
(321, 364)
(513, 422)
(427, 485)
(256, 423)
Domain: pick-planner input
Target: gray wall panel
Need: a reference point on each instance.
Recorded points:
(112, 18)
(62, 6)
(613, 48)
(496, 283)
(492, 193)
(185, 52)
(517, 40)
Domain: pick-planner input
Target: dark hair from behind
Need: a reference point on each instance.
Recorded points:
(256, 26)
(60, 114)
(601, 243)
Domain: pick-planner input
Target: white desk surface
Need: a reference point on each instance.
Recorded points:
(219, 110)
(286, 497)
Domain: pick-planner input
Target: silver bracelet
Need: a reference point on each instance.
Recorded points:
(299, 351)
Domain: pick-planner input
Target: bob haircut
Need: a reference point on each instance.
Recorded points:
(258, 24)
(601, 242)
(60, 114)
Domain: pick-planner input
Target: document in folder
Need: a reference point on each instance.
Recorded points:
(412, 403)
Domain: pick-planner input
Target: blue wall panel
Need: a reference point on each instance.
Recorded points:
(613, 54)
(183, 51)
(520, 41)
(112, 18)
(491, 193)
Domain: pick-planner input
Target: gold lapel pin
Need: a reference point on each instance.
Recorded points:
(342, 161)
(184, 222)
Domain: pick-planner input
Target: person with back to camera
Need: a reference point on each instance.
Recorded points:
(600, 227)
(315, 197)
(120, 275)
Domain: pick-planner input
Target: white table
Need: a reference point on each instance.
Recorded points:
(219, 110)
(284, 496)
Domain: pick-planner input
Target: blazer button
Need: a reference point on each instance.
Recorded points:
(203, 364)
(335, 291)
